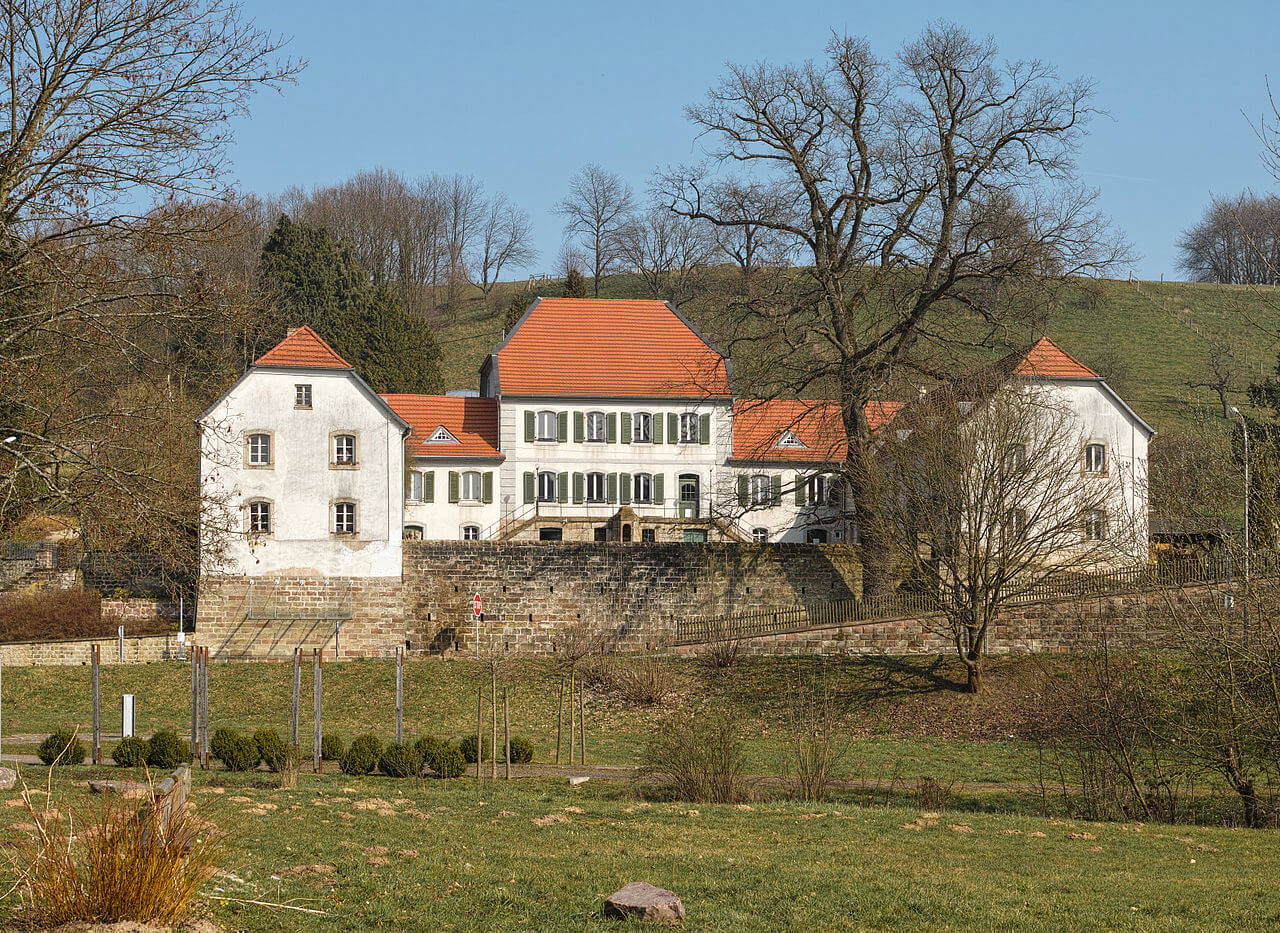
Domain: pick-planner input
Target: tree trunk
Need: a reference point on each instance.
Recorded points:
(974, 667)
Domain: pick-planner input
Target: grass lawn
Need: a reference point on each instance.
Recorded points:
(905, 721)
(425, 854)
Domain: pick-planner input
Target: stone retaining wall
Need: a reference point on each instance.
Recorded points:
(138, 649)
(140, 609)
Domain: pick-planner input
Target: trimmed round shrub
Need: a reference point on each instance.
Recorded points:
(400, 760)
(62, 747)
(467, 745)
(332, 747)
(236, 752)
(272, 749)
(131, 752)
(166, 750)
(521, 750)
(362, 757)
(222, 743)
(445, 760)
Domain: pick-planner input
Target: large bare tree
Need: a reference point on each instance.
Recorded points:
(929, 193)
(506, 240)
(598, 206)
(670, 253)
(109, 108)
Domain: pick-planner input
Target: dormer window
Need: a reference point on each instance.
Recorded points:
(302, 396)
(788, 441)
(442, 435)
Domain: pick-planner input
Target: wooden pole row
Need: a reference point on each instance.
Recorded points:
(95, 658)
(317, 691)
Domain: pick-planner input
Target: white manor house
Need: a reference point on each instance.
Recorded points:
(595, 420)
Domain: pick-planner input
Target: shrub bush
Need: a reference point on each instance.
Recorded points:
(521, 750)
(427, 746)
(400, 760)
(701, 756)
(272, 749)
(332, 747)
(447, 761)
(467, 746)
(131, 752)
(645, 682)
(166, 750)
(362, 757)
(236, 752)
(63, 747)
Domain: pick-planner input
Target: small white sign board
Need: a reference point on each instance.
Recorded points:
(126, 715)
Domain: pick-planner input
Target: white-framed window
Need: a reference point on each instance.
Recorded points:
(689, 428)
(412, 533)
(595, 427)
(760, 535)
(414, 492)
(260, 517)
(470, 532)
(546, 486)
(596, 487)
(1095, 458)
(548, 426)
(344, 518)
(259, 449)
(816, 488)
(469, 488)
(642, 487)
(648, 536)
(642, 428)
(1015, 458)
(302, 395)
(344, 450)
(1095, 525)
(761, 489)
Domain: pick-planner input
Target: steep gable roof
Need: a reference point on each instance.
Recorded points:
(759, 426)
(305, 348)
(473, 422)
(608, 348)
(1045, 360)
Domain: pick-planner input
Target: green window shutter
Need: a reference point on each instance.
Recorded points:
(562, 487)
(611, 428)
(579, 428)
(528, 487)
(656, 426)
(429, 486)
(612, 484)
(562, 427)
(579, 488)
(800, 490)
(775, 484)
(487, 486)
(530, 427)
(657, 488)
(704, 429)
(453, 486)
(625, 423)
(673, 429)
(624, 488)
(744, 490)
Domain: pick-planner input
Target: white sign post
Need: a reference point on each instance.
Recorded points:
(126, 715)
(476, 607)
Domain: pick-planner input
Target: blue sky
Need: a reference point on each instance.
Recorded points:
(521, 95)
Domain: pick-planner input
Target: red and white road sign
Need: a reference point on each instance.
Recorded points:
(476, 604)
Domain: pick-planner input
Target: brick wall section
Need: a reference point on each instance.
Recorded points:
(139, 649)
(229, 608)
(533, 593)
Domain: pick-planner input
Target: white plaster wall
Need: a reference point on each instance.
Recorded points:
(443, 520)
(300, 483)
(786, 522)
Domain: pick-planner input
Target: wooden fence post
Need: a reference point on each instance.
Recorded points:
(506, 730)
(559, 719)
(493, 729)
(204, 708)
(297, 696)
(572, 735)
(582, 725)
(195, 701)
(316, 693)
(479, 727)
(399, 695)
(95, 655)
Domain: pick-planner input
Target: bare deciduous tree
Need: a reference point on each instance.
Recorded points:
(917, 185)
(597, 208)
(670, 253)
(1237, 242)
(506, 240)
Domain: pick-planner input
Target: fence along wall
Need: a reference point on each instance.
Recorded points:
(138, 649)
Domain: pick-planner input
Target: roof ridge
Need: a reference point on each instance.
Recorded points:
(302, 346)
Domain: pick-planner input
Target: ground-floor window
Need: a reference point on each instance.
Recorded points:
(344, 518)
(648, 535)
(760, 535)
(695, 536)
(546, 487)
(260, 518)
(470, 532)
(816, 536)
(1095, 525)
(602, 533)
(413, 532)
(642, 487)
(550, 534)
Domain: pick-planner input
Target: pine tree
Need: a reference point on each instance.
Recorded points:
(315, 279)
(520, 302)
(575, 285)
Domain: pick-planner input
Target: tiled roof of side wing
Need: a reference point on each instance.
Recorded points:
(303, 347)
(1048, 361)
(473, 422)
(609, 348)
(758, 425)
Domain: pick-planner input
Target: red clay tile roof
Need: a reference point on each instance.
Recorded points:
(757, 426)
(1046, 360)
(303, 347)
(588, 347)
(473, 421)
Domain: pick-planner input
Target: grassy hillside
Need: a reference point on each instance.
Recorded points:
(1149, 339)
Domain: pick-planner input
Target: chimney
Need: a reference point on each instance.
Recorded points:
(291, 331)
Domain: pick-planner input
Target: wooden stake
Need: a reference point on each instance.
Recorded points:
(317, 691)
(479, 727)
(204, 708)
(297, 696)
(559, 719)
(96, 686)
(582, 726)
(493, 714)
(195, 701)
(506, 730)
(573, 736)
(399, 695)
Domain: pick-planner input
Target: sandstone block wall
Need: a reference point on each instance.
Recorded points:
(140, 649)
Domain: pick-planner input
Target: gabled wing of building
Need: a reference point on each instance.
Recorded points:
(797, 430)
(470, 425)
